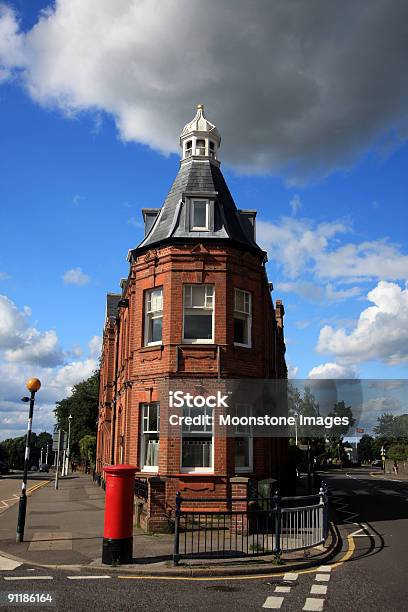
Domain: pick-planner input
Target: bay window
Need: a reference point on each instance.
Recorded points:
(198, 313)
(243, 441)
(150, 433)
(153, 316)
(197, 441)
(242, 317)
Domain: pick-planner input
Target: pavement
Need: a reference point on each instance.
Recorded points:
(64, 528)
(367, 573)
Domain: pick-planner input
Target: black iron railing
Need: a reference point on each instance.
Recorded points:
(248, 526)
(141, 488)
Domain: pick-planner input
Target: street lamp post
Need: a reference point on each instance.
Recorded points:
(46, 455)
(41, 456)
(68, 445)
(33, 385)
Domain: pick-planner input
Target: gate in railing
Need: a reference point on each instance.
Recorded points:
(248, 526)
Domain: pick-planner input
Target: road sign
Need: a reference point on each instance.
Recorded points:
(55, 439)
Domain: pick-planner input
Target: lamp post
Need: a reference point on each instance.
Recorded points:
(46, 455)
(68, 445)
(41, 456)
(33, 385)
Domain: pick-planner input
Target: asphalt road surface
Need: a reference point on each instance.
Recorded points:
(10, 487)
(368, 574)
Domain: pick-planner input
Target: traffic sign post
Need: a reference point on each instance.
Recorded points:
(58, 441)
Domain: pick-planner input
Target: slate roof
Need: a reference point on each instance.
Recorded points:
(112, 300)
(204, 177)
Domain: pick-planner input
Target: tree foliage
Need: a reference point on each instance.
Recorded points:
(398, 451)
(366, 449)
(87, 449)
(82, 405)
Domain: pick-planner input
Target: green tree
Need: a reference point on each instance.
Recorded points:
(336, 434)
(365, 449)
(82, 405)
(398, 452)
(386, 427)
(87, 449)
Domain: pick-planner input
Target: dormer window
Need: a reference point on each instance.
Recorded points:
(212, 149)
(189, 148)
(200, 146)
(200, 217)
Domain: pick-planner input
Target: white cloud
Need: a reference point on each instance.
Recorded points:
(332, 370)
(381, 331)
(295, 204)
(292, 371)
(300, 89)
(75, 276)
(4, 275)
(57, 383)
(21, 343)
(95, 346)
(301, 247)
(338, 295)
(36, 347)
(307, 290)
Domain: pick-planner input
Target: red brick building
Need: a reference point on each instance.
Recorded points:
(196, 306)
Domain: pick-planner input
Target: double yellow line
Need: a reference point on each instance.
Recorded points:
(347, 555)
(40, 484)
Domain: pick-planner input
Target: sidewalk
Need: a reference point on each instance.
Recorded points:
(65, 528)
(390, 476)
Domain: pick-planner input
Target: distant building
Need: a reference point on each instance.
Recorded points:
(197, 304)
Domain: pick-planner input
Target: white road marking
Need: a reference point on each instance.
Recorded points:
(322, 577)
(318, 589)
(313, 604)
(28, 578)
(290, 576)
(273, 602)
(388, 491)
(282, 589)
(324, 568)
(87, 577)
(7, 564)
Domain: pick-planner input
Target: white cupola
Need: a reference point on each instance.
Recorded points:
(200, 138)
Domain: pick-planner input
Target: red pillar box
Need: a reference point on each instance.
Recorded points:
(119, 502)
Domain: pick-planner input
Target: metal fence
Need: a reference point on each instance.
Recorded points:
(141, 488)
(248, 526)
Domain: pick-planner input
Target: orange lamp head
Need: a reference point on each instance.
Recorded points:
(33, 384)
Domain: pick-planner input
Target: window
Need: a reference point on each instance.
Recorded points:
(189, 148)
(198, 315)
(153, 316)
(199, 215)
(243, 441)
(242, 318)
(197, 441)
(200, 147)
(150, 428)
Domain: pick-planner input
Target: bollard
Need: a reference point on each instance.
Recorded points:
(118, 527)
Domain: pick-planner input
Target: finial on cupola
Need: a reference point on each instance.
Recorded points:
(200, 138)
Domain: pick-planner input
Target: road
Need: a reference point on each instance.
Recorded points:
(369, 573)
(10, 487)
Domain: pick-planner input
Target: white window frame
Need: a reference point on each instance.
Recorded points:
(208, 298)
(197, 433)
(144, 432)
(245, 314)
(245, 410)
(152, 314)
(200, 228)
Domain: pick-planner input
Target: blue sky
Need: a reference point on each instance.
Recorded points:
(329, 182)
